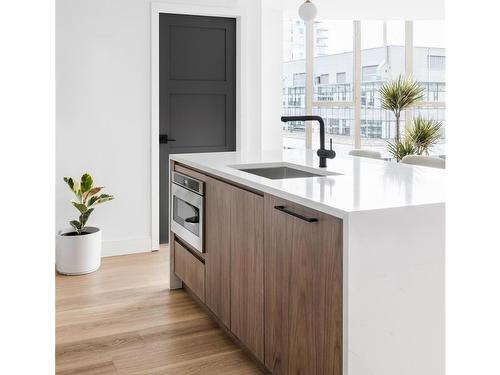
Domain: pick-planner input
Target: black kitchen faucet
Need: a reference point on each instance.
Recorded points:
(323, 153)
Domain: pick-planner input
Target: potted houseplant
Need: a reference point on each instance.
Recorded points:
(400, 148)
(78, 249)
(424, 134)
(398, 95)
(419, 139)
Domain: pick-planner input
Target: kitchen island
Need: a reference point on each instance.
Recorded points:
(339, 272)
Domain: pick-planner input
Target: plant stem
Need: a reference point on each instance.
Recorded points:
(397, 128)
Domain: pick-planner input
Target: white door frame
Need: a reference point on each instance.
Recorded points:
(241, 32)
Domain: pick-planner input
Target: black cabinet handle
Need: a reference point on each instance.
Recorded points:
(164, 139)
(302, 217)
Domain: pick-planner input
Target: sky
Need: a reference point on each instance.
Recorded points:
(425, 34)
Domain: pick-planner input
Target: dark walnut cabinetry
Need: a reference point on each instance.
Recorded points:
(218, 248)
(233, 261)
(247, 269)
(272, 277)
(303, 290)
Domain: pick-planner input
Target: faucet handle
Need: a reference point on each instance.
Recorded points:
(331, 147)
(329, 154)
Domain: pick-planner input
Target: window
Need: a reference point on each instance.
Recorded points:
(429, 64)
(321, 38)
(437, 62)
(382, 60)
(369, 73)
(294, 40)
(322, 79)
(294, 81)
(333, 51)
(383, 48)
(299, 79)
(336, 57)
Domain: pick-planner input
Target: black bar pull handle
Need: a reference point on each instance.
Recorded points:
(302, 217)
(164, 139)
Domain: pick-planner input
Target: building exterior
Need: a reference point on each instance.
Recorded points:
(295, 47)
(333, 81)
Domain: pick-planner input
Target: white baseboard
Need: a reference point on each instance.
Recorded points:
(128, 246)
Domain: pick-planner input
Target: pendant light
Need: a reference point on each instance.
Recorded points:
(308, 11)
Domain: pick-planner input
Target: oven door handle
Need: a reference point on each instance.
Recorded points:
(193, 219)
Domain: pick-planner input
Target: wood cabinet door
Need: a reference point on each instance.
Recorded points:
(303, 290)
(189, 269)
(247, 269)
(218, 248)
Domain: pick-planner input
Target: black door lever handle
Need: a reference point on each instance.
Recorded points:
(164, 139)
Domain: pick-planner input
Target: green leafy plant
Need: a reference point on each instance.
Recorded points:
(399, 149)
(87, 198)
(424, 134)
(398, 95)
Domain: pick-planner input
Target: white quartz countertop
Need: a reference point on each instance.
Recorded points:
(364, 184)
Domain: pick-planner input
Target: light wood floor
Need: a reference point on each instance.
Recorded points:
(122, 319)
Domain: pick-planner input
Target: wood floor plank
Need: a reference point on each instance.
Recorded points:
(108, 298)
(126, 308)
(99, 348)
(232, 362)
(101, 368)
(178, 350)
(123, 319)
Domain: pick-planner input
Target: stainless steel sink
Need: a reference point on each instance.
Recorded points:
(282, 172)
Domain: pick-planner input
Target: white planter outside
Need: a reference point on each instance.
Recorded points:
(78, 255)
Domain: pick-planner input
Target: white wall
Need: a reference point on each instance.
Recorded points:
(272, 72)
(103, 69)
(103, 113)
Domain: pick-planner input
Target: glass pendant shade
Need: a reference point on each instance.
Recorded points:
(308, 11)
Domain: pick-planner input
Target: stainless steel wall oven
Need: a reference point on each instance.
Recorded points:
(187, 209)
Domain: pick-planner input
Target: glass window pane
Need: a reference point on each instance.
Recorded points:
(339, 127)
(294, 81)
(429, 57)
(382, 60)
(333, 68)
(429, 69)
(437, 114)
(333, 81)
(372, 34)
(429, 34)
(333, 60)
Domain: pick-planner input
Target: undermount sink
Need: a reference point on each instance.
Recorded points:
(281, 171)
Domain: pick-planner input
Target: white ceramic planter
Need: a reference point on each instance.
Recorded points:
(78, 255)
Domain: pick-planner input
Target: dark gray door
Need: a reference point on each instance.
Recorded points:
(197, 91)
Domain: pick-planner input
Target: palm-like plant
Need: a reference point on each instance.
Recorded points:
(399, 149)
(398, 95)
(424, 134)
(86, 199)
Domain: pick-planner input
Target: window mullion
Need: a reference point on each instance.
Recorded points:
(408, 64)
(357, 83)
(309, 80)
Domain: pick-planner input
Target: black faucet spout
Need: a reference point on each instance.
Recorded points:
(323, 153)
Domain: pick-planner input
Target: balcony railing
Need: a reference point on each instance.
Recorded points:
(376, 122)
